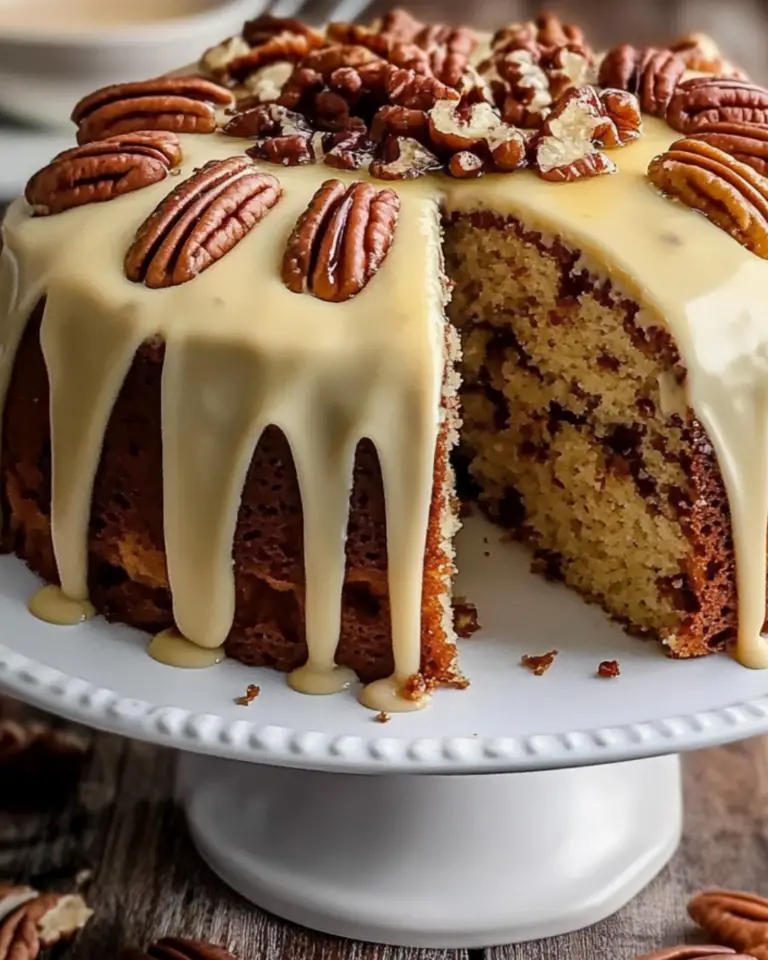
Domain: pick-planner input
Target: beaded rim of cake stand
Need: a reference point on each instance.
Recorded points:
(79, 700)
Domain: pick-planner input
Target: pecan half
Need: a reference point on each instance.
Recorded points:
(747, 143)
(403, 158)
(178, 948)
(698, 51)
(687, 951)
(341, 240)
(738, 919)
(99, 171)
(40, 920)
(652, 75)
(199, 222)
(177, 104)
(704, 100)
(735, 197)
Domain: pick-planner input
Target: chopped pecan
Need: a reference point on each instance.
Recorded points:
(520, 87)
(328, 59)
(688, 951)
(283, 48)
(101, 170)
(341, 240)
(34, 920)
(263, 85)
(199, 222)
(608, 669)
(731, 194)
(538, 665)
(289, 151)
(354, 34)
(738, 919)
(332, 112)
(400, 122)
(403, 158)
(747, 143)
(566, 146)
(267, 120)
(698, 51)
(400, 24)
(262, 29)
(567, 66)
(408, 89)
(652, 75)
(216, 60)
(704, 100)
(465, 165)
(176, 104)
(547, 30)
(452, 130)
(347, 150)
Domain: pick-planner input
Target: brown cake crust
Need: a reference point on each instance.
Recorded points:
(127, 573)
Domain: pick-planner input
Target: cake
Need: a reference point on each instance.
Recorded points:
(263, 313)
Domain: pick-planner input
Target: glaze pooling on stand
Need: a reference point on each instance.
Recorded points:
(51, 604)
(331, 374)
(174, 650)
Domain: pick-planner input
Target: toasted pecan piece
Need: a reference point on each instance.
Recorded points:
(176, 104)
(341, 240)
(730, 194)
(651, 74)
(701, 101)
(99, 171)
(200, 221)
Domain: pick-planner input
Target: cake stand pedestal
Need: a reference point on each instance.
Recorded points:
(522, 807)
(436, 861)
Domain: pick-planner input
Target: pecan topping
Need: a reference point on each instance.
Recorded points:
(177, 104)
(267, 120)
(403, 158)
(465, 165)
(547, 30)
(652, 75)
(687, 951)
(99, 171)
(340, 241)
(478, 129)
(735, 197)
(738, 919)
(401, 122)
(700, 52)
(199, 222)
(178, 948)
(290, 151)
(704, 100)
(566, 146)
(30, 920)
(347, 151)
(747, 143)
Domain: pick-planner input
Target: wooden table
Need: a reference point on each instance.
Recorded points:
(147, 881)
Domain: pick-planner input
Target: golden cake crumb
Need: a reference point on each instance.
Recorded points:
(538, 665)
(250, 695)
(465, 621)
(382, 717)
(608, 668)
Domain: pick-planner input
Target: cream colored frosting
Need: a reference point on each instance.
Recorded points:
(243, 352)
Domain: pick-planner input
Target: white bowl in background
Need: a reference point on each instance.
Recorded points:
(44, 73)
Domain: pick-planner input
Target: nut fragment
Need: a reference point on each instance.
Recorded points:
(465, 165)
(538, 665)
(176, 104)
(30, 920)
(101, 170)
(547, 30)
(738, 919)
(347, 150)
(267, 120)
(403, 159)
(395, 121)
(701, 101)
(652, 75)
(730, 194)
(340, 241)
(199, 222)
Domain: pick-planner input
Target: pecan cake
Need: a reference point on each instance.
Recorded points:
(243, 318)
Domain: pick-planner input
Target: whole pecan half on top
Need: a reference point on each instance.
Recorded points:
(738, 919)
(747, 143)
(178, 948)
(688, 951)
(341, 240)
(200, 221)
(101, 170)
(704, 100)
(176, 104)
(735, 197)
(652, 75)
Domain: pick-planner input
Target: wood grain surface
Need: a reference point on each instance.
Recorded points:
(121, 823)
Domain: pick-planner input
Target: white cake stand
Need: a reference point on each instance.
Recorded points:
(583, 809)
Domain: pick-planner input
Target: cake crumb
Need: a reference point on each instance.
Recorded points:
(417, 687)
(465, 621)
(538, 665)
(251, 693)
(608, 668)
(382, 717)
